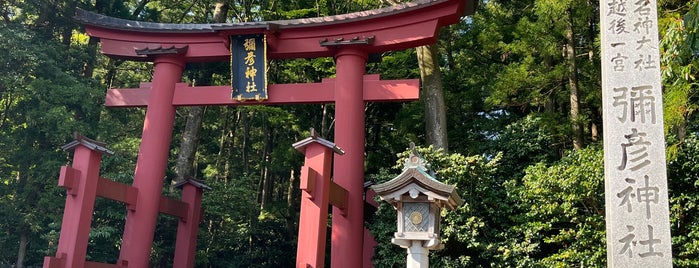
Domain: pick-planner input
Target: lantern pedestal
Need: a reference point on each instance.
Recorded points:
(418, 198)
(417, 255)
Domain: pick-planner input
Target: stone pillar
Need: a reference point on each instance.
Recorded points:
(636, 191)
(152, 160)
(348, 225)
(418, 256)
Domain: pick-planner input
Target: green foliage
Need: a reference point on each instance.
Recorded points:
(679, 50)
(383, 227)
(530, 140)
(562, 223)
(42, 104)
(235, 237)
(683, 178)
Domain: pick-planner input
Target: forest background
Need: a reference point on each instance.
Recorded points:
(520, 82)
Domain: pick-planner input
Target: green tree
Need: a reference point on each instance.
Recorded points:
(563, 220)
(679, 24)
(43, 102)
(534, 61)
(683, 178)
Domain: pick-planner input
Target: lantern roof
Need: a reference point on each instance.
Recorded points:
(417, 179)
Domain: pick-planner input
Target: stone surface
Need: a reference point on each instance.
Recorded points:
(636, 193)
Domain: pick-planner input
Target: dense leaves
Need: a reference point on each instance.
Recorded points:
(562, 222)
(683, 172)
(526, 161)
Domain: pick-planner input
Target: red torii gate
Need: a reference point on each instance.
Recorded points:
(349, 38)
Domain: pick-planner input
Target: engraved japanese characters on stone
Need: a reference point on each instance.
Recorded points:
(645, 195)
(634, 152)
(636, 104)
(629, 243)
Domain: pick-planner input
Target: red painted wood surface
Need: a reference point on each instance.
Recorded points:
(348, 223)
(375, 90)
(118, 191)
(82, 179)
(188, 227)
(315, 198)
(152, 160)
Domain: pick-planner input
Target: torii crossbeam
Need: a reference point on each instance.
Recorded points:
(375, 90)
(349, 38)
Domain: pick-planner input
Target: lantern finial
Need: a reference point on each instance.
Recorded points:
(415, 160)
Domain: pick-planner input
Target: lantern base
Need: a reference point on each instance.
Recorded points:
(430, 244)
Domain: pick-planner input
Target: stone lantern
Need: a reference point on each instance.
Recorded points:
(419, 198)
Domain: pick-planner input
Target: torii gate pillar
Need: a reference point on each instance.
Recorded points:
(349, 169)
(152, 161)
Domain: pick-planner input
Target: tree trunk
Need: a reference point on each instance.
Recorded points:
(324, 128)
(450, 37)
(594, 130)
(573, 84)
(230, 135)
(9, 99)
(112, 66)
(89, 65)
(291, 207)
(220, 12)
(188, 147)
(267, 180)
(227, 142)
(245, 122)
(591, 49)
(435, 110)
(67, 31)
(682, 130)
(22, 252)
(190, 136)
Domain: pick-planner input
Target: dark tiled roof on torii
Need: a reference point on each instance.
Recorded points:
(392, 28)
(94, 19)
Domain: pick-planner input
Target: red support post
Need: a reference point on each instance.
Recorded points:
(348, 223)
(152, 159)
(315, 198)
(187, 228)
(80, 181)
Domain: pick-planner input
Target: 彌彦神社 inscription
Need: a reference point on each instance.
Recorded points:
(249, 67)
(636, 193)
